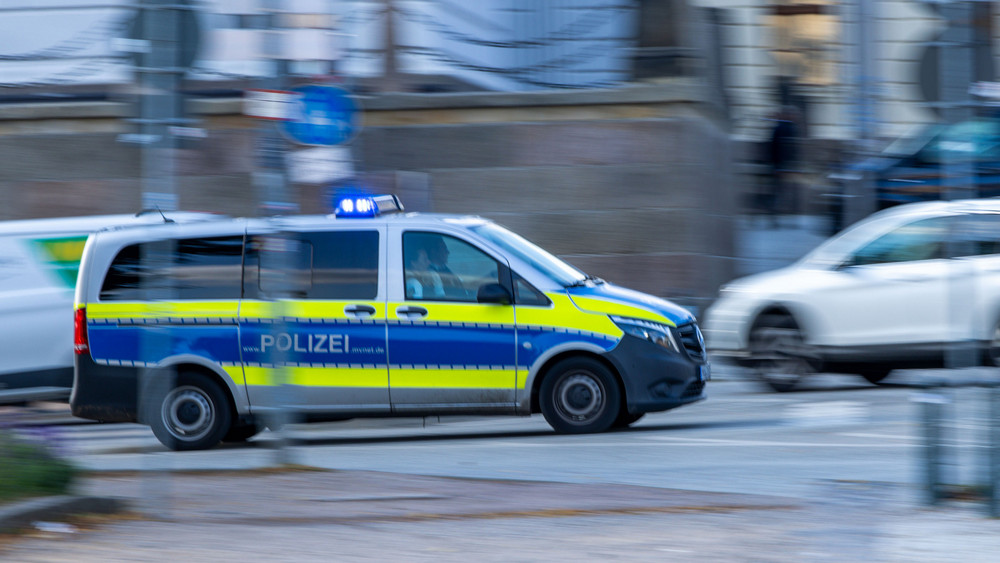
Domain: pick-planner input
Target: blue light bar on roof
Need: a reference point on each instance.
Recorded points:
(367, 206)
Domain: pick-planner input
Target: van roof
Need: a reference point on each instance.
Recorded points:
(306, 221)
(91, 223)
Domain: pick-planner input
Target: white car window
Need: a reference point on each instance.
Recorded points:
(920, 240)
(977, 235)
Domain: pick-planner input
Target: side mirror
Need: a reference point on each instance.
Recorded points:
(493, 293)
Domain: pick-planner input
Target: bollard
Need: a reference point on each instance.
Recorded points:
(934, 452)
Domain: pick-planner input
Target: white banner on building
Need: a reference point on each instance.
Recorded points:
(491, 44)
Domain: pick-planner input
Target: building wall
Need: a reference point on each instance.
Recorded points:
(631, 184)
(900, 29)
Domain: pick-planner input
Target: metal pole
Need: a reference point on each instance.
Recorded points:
(271, 181)
(993, 452)
(932, 414)
(159, 74)
(859, 200)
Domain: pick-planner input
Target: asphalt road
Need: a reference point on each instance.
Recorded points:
(743, 439)
(830, 473)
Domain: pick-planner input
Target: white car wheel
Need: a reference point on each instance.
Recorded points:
(779, 354)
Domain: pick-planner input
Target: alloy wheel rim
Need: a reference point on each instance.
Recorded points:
(188, 413)
(579, 397)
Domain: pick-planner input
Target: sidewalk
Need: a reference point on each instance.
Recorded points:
(305, 515)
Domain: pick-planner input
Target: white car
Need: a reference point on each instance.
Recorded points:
(39, 259)
(900, 289)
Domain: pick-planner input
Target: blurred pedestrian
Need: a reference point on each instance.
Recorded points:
(782, 157)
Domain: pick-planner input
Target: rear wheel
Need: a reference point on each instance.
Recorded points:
(778, 352)
(580, 395)
(193, 414)
(993, 351)
(241, 433)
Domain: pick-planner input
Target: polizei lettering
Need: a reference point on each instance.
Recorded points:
(312, 343)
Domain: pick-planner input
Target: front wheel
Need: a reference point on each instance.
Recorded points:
(193, 414)
(626, 419)
(579, 396)
(779, 354)
(875, 375)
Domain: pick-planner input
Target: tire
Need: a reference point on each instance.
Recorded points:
(580, 396)
(241, 433)
(875, 375)
(626, 419)
(779, 354)
(194, 414)
(993, 348)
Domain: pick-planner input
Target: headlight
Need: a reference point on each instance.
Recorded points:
(656, 333)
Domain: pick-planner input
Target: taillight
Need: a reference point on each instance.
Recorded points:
(80, 344)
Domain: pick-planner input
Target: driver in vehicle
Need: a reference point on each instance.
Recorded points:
(422, 282)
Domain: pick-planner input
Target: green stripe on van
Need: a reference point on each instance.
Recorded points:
(62, 255)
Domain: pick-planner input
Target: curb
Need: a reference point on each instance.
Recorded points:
(21, 515)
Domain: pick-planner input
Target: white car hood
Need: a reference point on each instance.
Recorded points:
(784, 282)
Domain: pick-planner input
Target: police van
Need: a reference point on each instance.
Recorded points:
(205, 331)
(39, 259)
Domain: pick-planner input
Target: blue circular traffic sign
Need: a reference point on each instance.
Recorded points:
(322, 115)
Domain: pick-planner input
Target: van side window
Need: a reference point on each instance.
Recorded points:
(345, 264)
(197, 268)
(439, 267)
(526, 294)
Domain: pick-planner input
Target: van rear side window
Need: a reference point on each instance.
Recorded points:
(197, 268)
(345, 264)
(320, 265)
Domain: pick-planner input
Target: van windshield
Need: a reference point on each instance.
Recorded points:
(537, 257)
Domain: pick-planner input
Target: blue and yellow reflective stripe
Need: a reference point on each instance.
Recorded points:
(235, 373)
(321, 376)
(258, 309)
(325, 309)
(564, 314)
(480, 377)
(156, 309)
(472, 313)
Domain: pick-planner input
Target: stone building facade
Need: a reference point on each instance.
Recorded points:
(631, 184)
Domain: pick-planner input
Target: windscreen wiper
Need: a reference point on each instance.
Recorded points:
(593, 279)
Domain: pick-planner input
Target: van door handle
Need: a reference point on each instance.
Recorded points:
(411, 312)
(359, 311)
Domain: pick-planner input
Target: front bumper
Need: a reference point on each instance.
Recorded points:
(657, 379)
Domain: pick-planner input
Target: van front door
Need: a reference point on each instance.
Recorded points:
(448, 351)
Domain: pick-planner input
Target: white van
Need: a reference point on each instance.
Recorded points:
(39, 259)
